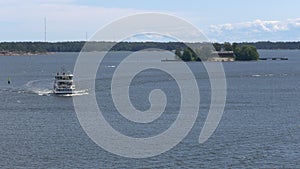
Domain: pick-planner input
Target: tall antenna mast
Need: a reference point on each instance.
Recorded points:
(45, 26)
(86, 36)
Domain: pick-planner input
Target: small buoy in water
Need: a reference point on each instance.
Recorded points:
(8, 80)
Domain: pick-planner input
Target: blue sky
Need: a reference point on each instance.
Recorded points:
(221, 21)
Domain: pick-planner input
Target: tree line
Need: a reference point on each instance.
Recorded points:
(76, 46)
(41, 46)
(273, 45)
(203, 52)
(184, 51)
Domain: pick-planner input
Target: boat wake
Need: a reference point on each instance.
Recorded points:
(40, 87)
(270, 75)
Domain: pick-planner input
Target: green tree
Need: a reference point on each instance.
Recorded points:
(178, 53)
(246, 53)
(217, 46)
(227, 46)
(187, 55)
(234, 46)
(193, 54)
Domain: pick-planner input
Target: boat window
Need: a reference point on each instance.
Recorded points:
(66, 77)
(65, 83)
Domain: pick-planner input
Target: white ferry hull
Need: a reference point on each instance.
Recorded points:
(58, 92)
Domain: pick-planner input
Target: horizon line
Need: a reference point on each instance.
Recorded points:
(65, 41)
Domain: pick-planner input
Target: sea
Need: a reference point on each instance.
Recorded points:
(260, 126)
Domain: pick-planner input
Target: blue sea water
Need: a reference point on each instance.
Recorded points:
(260, 127)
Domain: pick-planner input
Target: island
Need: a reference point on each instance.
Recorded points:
(218, 52)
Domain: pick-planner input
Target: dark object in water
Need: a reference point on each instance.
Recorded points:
(263, 58)
(8, 80)
(275, 58)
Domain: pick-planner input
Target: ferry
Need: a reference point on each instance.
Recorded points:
(63, 83)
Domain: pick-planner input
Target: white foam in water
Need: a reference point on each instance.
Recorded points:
(271, 75)
(41, 87)
(76, 93)
(43, 93)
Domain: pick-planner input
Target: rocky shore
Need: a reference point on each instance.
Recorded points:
(22, 53)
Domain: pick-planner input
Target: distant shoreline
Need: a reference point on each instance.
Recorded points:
(33, 48)
(20, 53)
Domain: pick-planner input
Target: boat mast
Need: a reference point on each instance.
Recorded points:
(45, 29)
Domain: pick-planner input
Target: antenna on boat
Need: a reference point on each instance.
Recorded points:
(63, 69)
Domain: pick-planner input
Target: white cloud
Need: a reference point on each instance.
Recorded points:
(294, 22)
(255, 30)
(269, 26)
